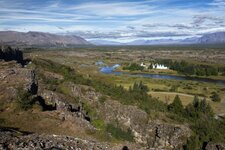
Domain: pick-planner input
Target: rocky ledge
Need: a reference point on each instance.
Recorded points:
(12, 139)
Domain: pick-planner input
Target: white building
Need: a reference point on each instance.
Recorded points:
(155, 66)
(160, 66)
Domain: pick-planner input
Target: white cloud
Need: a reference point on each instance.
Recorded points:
(140, 19)
(218, 3)
(115, 9)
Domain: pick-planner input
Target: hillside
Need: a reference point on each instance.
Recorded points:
(52, 106)
(39, 39)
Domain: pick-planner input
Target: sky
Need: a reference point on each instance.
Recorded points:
(115, 20)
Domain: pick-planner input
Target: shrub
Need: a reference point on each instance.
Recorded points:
(99, 124)
(193, 143)
(198, 109)
(102, 99)
(119, 133)
(173, 88)
(140, 87)
(215, 97)
(24, 99)
(176, 106)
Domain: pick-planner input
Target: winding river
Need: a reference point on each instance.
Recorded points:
(111, 70)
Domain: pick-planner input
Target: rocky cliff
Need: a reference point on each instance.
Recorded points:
(15, 77)
(67, 111)
(153, 134)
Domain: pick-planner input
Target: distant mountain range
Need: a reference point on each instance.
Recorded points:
(104, 42)
(54, 40)
(40, 39)
(211, 38)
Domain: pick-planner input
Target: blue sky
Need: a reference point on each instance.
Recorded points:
(123, 20)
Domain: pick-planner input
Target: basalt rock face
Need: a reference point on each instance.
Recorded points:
(10, 140)
(150, 133)
(68, 111)
(15, 77)
(58, 100)
(85, 92)
(8, 54)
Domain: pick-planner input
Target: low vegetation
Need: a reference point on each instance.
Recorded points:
(215, 97)
(119, 134)
(24, 99)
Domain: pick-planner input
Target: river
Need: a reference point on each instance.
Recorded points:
(111, 70)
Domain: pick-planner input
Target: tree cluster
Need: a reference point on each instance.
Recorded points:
(199, 115)
(190, 68)
(133, 67)
(215, 97)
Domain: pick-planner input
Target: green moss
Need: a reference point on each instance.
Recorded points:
(119, 134)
